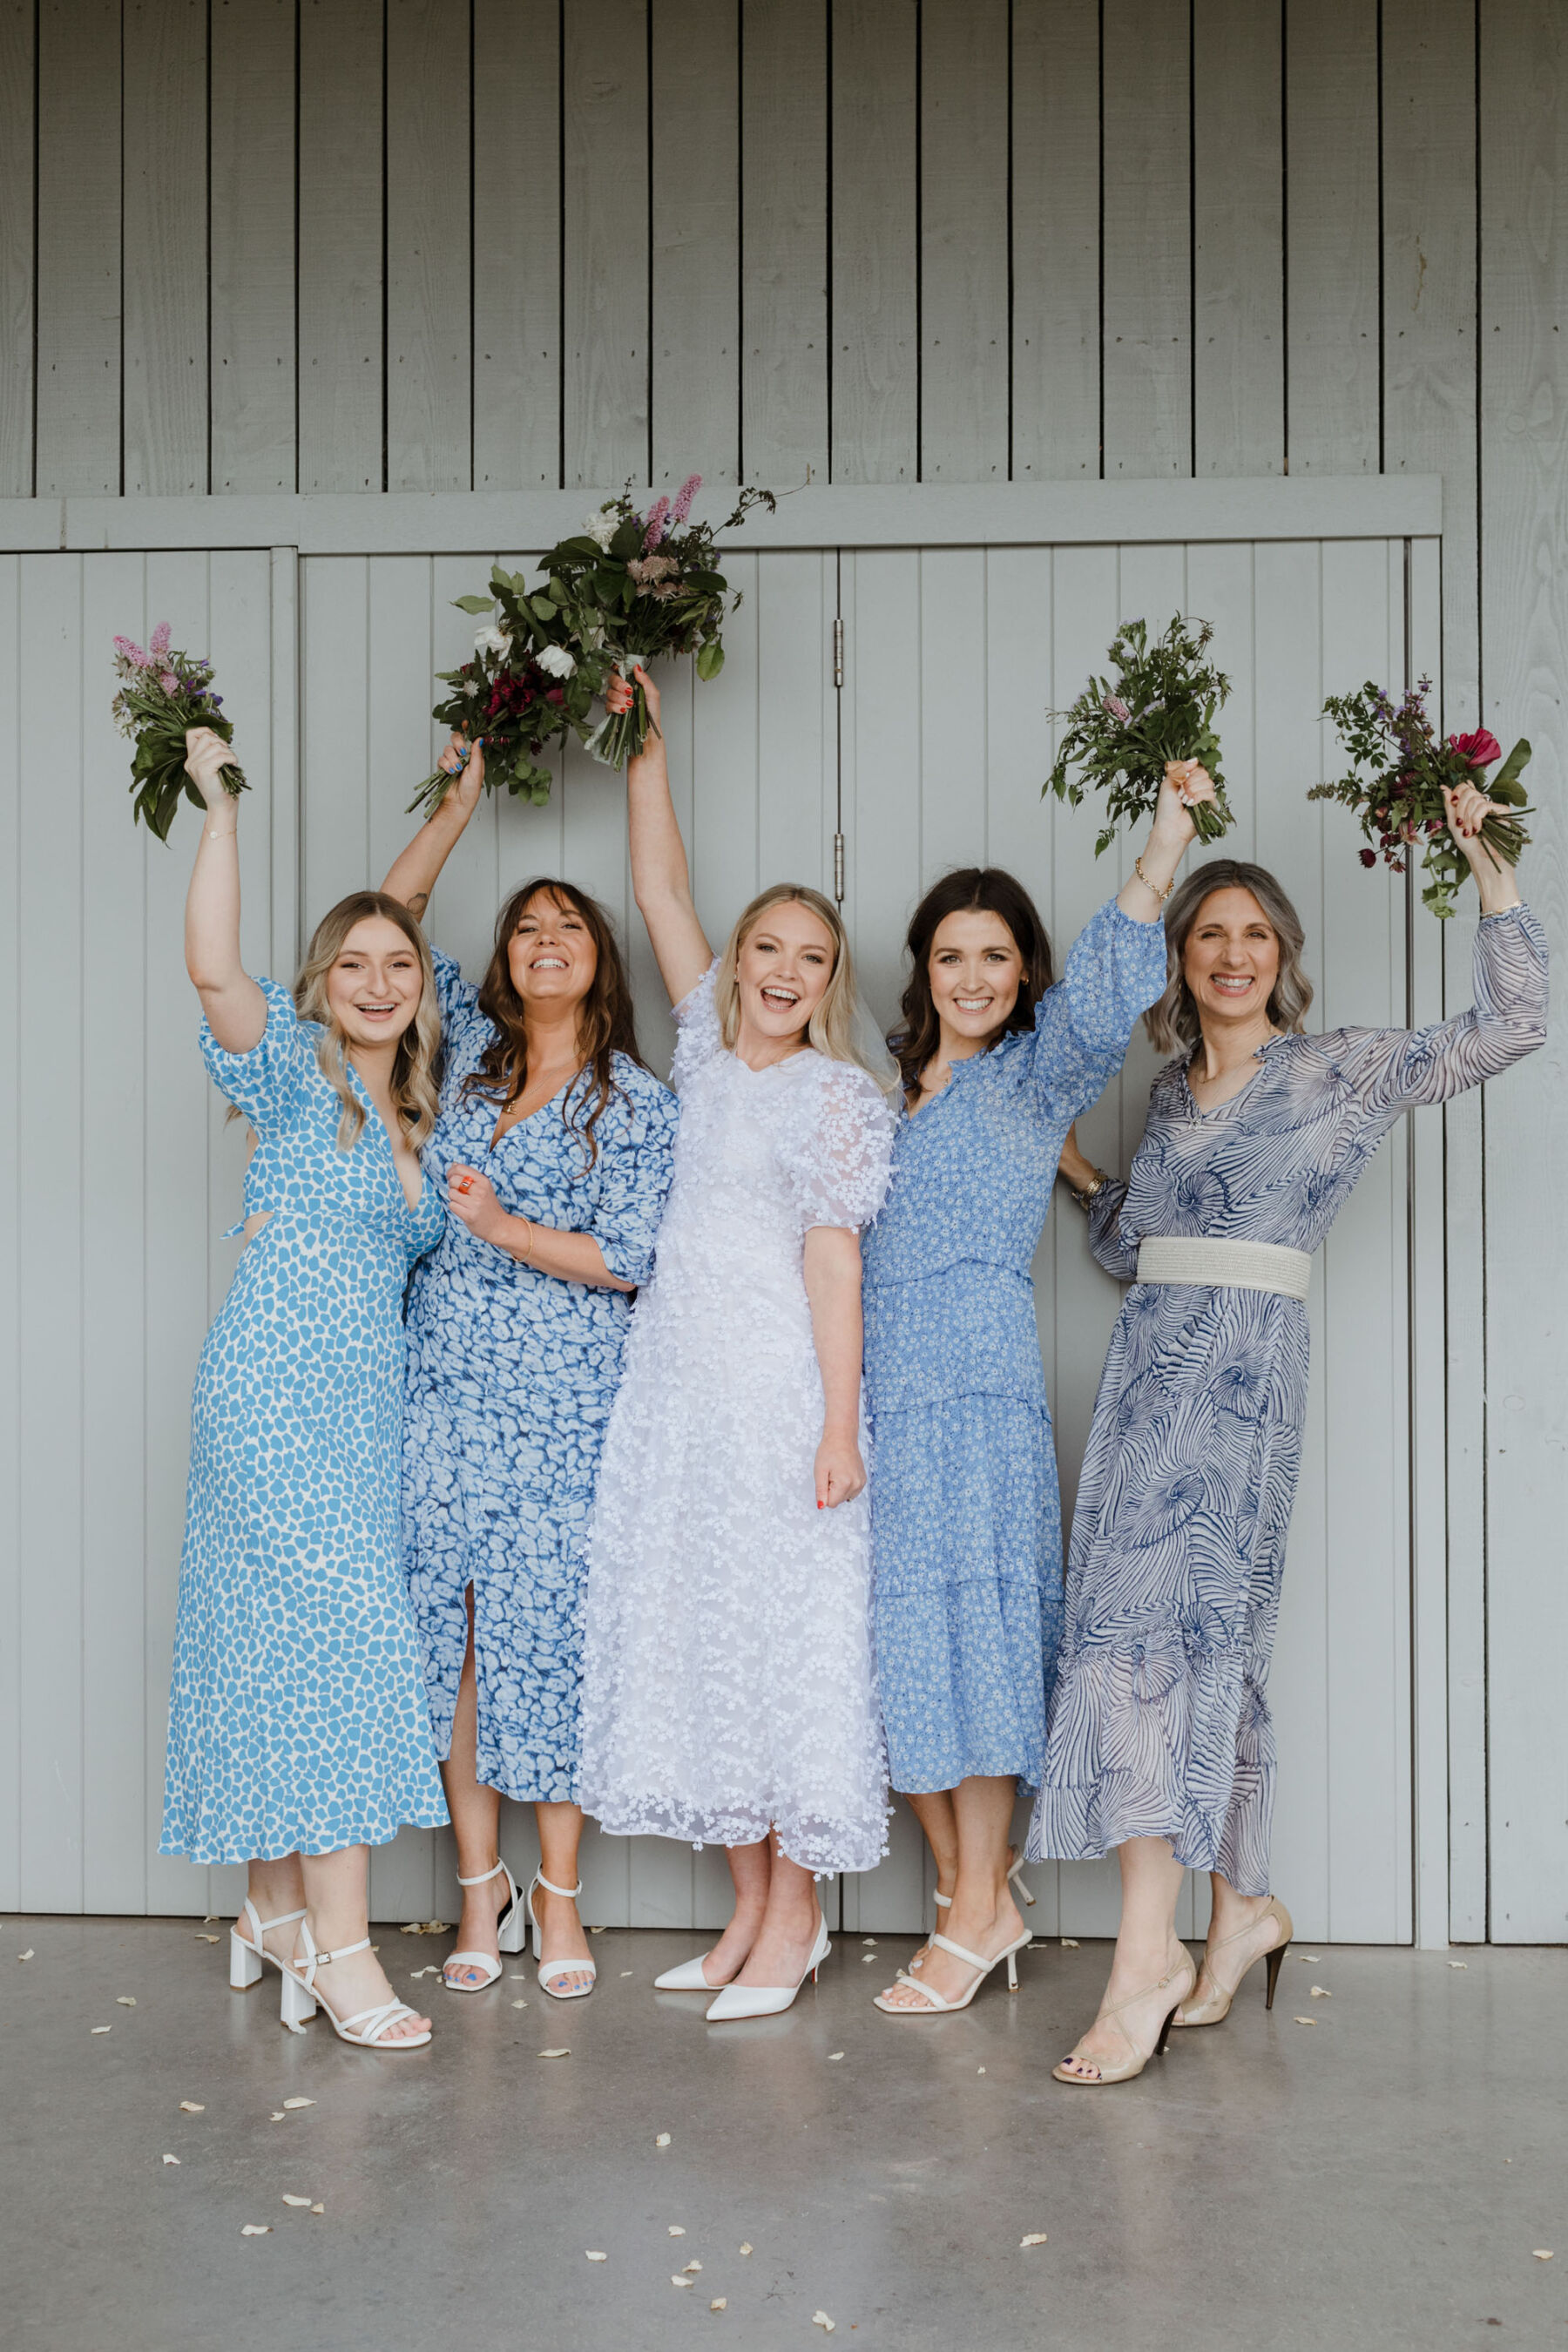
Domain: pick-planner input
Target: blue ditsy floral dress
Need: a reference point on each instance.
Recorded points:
(965, 1511)
(297, 1720)
(1159, 1724)
(511, 1374)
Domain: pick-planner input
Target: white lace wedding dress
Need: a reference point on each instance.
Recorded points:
(727, 1671)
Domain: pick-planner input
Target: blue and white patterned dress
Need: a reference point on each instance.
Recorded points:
(511, 1374)
(1159, 1724)
(298, 1721)
(966, 1510)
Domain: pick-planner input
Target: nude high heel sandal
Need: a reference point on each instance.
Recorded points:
(512, 1932)
(1215, 2004)
(367, 2028)
(247, 1963)
(767, 2000)
(547, 1969)
(976, 1960)
(1136, 2059)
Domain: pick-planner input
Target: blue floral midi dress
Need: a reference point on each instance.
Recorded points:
(298, 1721)
(1160, 1723)
(966, 1510)
(511, 1374)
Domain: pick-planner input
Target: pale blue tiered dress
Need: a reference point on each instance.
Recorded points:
(966, 1510)
(298, 1721)
(1159, 1723)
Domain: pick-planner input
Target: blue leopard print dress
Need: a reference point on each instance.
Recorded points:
(298, 1721)
(1160, 1723)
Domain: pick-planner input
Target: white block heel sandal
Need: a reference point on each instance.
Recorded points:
(767, 2000)
(549, 1968)
(247, 1963)
(511, 1931)
(367, 2028)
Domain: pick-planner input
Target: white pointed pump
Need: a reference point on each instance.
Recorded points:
(687, 1977)
(249, 1963)
(547, 1969)
(511, 1931)
(738, 2000)
(367, 2028)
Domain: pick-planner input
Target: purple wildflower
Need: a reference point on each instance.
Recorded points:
(659, 515)
(684, 496)
(129, 651)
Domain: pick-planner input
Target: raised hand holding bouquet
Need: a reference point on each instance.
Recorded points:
(1403, 783)
(162, 694)
(522, 688)
(1158, 712)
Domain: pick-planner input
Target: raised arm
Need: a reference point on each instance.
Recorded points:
(234, 1006)
(412, 874)
(661, 879)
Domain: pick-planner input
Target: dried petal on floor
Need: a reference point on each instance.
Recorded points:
(663, 2140)
(820, 2319)
(1308, 1956)
(693, 2267)
(318, 2208)
(125, 2001)
(26, 1955)
(169, 2160)
(190, 2107)
(1306, 2021)
(834, 2056)
(1070, 1944)
(1542, 2254)
(100, 2028)
(746, 2248)
(868, 1960)
(595, 2255)
(257, 2230)
(204, 1939)
(555, 2054)
(276, 2115)
(677, 2281)
(288, 2200)
(720, 2303)
(298, 2102)
(1322, 1992)
(520, 2004)
(626, 1972)
(1034, 2237)
(1458, 1964)
(868, 1939)
(676, 2230)
(980, 2069)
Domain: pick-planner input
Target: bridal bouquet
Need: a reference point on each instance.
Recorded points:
(1398, 768)
(1160, 705)
(522, 689)
(162, 693)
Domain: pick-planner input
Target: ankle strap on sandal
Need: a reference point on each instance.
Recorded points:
(263, 1926)
(484, 1877)
(571, 1893)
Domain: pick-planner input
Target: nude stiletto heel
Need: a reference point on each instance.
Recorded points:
(249, 1963)
(511, 1931)
(736, 2000)
(1214, 2005)
(1138, 2058)
(1015, 1864)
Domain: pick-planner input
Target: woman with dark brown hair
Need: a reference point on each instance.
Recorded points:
(553, 1152)
(965, 1516)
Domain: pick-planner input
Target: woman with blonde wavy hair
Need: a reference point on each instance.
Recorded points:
(299, 1735)
(728, 1692)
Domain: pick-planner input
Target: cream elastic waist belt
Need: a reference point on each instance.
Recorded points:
(1236, 1265)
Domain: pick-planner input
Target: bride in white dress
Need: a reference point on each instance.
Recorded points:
(727, 1693)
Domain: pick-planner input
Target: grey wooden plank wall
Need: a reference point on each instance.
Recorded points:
(364, 244)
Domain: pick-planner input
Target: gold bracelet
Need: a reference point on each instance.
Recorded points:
(526, 1253)
(220, 833)
(1090, 1192)
(1161, 895)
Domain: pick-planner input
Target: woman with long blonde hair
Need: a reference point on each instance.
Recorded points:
(299, 1736)
(728, 1689)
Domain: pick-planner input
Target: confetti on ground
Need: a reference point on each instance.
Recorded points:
(834, 2056)
(204, 1939)
(26, 1955)
(288, 2200)
(318, 2208)
(1322, 1992)
(100, 2028)
(693, 2267)
(298, 2102)
(520, 2004)
(257, 2230)
(1070, 1944)
(980, 2069)
(746, 2249)
(278, 2115)
(625, 1972)
(868, 1939)
(1306, 2021)
(1458, 1964)
(1310, 1957)
(190, 2107)
(1034, 2237)
(820, 2319)
(720, 2303)
(555, 2054)
(169, 2160)
(125, 2001)
(868, 1960)
(677, 2281)
(663, 2140)
(677, 2230)
(423, 1928)
(1543, 2254)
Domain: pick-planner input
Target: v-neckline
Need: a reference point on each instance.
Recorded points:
(374, 1116)
(1260, 1056)
(496, 1140)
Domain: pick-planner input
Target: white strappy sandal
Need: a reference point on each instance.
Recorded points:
(944, 1902)
(547, 1969)
(511, 1931)
(982, 1968)
(249, 1963)
(367, 2028)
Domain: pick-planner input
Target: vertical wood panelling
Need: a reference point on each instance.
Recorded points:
(1333, 377)
(342, 416)
(164, 355)
(964, 240)
(429, 344)
(252, 389)
(1238, 224)
(696, 239)
(1056, 239)
(784, 256)
(603, 72)
(517, 245)
(12, 572)
(17, 32)
(1524, 470)
(78, 288)
(1147, 241)
(876, 345)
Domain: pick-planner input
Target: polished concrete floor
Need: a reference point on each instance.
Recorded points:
(1382, 2176)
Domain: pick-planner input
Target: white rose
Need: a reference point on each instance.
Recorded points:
(491, 640)
(602, 526)
(555, 661)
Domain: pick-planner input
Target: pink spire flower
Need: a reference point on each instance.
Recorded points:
(159, 641)
(659, 515)
(684, 496)
(128, 650)
(169, 682)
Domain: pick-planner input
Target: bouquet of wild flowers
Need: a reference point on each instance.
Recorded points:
(1120, 732)
(522, 689)
(1399, 797)
(162, 693)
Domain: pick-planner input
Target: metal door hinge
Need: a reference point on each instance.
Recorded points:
(838, 649)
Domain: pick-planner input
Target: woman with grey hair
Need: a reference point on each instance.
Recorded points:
(1159, 1740)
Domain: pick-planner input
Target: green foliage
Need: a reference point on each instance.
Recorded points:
(1120, 732)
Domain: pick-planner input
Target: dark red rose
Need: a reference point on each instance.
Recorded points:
(557, 694)
(1369, 857)
(1481, 749)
